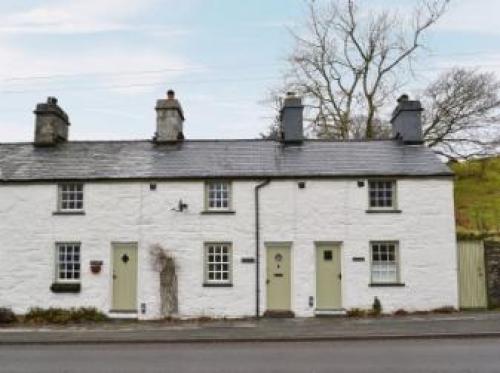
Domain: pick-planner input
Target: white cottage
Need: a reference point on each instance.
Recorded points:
(296, 227)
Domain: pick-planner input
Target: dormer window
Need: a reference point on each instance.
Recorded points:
(218, 196)
(70, 197)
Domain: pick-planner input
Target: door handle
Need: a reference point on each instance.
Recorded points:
(114, 276)
(340, 276)
(267, 282)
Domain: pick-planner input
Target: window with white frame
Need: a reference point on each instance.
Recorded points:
(68, 262)
(71, 197)
(382, 194)
(218, 195)
(218, 263)
(385, 267)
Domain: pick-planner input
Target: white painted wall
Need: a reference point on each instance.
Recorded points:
(326, 210)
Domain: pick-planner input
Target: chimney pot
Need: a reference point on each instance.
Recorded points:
(404, 97)
(170, 94)
(407, 120)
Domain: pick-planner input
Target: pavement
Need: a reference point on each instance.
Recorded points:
(456, 325)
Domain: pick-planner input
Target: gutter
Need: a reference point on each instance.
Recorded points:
(258, 187)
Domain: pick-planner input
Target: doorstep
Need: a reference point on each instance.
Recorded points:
(333, 312)
(116, 314)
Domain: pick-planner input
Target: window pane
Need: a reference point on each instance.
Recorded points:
(381, 193)
(68, 261)
(218, 195)
(384, 264)
(217, 263)
(71, 196)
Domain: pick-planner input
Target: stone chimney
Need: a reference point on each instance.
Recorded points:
(169, 119)
(291, 118)
(51, 123)
(407, 121)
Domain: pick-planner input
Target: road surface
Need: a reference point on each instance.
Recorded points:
(459, 355)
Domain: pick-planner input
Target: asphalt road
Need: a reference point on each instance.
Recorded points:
(475, 355)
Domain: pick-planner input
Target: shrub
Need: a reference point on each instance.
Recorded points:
(377, 307)
(400, 312)
(7, 316)
(445, 309)
(356, 312)
(63, 316)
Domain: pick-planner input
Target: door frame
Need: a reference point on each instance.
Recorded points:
(339, 245)
(289, 246)
(111, 267)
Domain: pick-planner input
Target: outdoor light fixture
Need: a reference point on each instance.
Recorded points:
(181, 206)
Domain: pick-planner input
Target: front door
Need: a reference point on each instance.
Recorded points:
(328, 277)
(124, 277)
(278, 277)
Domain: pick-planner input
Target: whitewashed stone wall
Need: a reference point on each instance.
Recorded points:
(326, 210)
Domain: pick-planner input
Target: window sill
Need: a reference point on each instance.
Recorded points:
(61, 287)
(381, 211)
(214, 285)
(68, 213)
(218, 212)
(389, 284)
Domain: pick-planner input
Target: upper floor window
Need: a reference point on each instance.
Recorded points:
(70, 197)
(384, 263)
(218, 195)
(382, 194)
(68, 262)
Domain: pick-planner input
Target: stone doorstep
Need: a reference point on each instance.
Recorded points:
(334, 312)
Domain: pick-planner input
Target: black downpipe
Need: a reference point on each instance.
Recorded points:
(257, 246)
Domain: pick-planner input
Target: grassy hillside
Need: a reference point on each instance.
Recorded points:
(477, 195)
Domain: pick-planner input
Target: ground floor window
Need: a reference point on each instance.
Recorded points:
(384, 263)
(68, 262)
(218, 263)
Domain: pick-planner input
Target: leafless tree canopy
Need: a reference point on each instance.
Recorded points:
(461, 117)
(349, 62)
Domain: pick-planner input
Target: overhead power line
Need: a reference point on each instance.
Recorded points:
(202, 68)
(138, 85)
(212, 80)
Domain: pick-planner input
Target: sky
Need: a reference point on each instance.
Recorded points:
(108, 61)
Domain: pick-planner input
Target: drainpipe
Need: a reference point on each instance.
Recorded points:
(257, 246)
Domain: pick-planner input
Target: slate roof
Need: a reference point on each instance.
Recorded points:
(98, 160)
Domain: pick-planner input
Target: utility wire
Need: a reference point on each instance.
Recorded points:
(187, 69)
(67, 87)
(138, 85)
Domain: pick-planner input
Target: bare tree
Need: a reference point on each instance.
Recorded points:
(349, 62)
(461, 117)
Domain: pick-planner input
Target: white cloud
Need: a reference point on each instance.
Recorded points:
(131, 70)
(76, 17)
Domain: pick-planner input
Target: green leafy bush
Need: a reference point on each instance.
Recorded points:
(356, 312)
(63, 316)
(401, 312)
(445, 309)
(7, 316)
(376, 307)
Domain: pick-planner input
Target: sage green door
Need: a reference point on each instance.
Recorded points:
(278, 280)
(472, 280)
(124, 277)
(328, 277)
